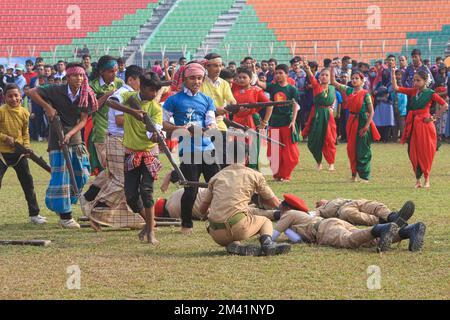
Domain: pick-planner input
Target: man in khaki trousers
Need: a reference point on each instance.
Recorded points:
(363, 212)
(230, 220)
(301, 226)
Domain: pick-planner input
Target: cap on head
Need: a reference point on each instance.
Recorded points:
(295, 202)
(20, 67)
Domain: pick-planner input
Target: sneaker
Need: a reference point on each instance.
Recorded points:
(69, 224)
(38, 219)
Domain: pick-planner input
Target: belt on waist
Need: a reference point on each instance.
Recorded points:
(231, 221)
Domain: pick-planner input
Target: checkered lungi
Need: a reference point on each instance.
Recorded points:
(117, 214)
(59, 196)
(112, 192)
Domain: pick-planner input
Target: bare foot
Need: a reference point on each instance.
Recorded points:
(319, 167)
(354, 179)
(418, 185)
(331, 168)
(152, 240)
(427, 184)
(187, 231)
(365, 181)
(144, 232)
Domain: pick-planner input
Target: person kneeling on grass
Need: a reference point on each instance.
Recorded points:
(228, 197)
(141, 150)
(14, 128)
(300, 226)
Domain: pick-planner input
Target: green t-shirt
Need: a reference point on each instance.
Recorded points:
(281, 116)
(135, 135)
(100, 117)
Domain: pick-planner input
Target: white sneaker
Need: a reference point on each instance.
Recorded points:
(38, 220)
(69, 224)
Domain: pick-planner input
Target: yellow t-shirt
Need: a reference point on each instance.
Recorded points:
(135, 134)
(221, 96)
(14, 123)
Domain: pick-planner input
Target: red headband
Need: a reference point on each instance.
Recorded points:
(86, 92)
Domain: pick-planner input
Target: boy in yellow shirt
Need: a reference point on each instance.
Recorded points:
(14, 120)
(141, 150)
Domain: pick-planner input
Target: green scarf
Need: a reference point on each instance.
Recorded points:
(420, 101)
(322, 100)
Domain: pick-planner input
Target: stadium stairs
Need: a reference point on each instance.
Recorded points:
(220, 29)
(132, 53)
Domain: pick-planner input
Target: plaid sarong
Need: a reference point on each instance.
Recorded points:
(133, 160)
(121, 216)
(60, 196)
(111, 192)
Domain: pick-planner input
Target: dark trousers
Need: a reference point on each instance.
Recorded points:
(192, 172)
(139, 188)
(38, 126)
(26, 179)
(343, 124)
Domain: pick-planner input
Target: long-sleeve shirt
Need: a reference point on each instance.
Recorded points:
(408, 76)
(14, 123)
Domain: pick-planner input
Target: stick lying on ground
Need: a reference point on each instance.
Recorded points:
(57, 126)
(42, 243)
(168, 223)
(33, 156)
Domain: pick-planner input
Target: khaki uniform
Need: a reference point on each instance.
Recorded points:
(229, 193)
(300, 222)
(332, 232)
(173, 204)
(357, 212)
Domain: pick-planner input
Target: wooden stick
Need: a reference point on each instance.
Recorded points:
(168, 223)
(42, 243)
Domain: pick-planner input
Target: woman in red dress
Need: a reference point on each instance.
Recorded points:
(244, 92)
(420, 131)
(361, 130)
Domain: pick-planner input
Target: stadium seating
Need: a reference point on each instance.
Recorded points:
(187, 25)
(263, 29)
(45, 24)
(304, 24)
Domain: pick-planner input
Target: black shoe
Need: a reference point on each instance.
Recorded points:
(386, 233)
(243, 250)
(401, 217)
(270, 248)
(275, 249)
(415, 233)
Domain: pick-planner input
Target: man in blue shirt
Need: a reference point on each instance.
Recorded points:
(191, 107)
(416, 66)
(299, 77)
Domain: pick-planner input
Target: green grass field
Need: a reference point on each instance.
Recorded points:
(115, 265)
